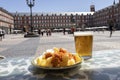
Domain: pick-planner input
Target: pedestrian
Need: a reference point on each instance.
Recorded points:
(0, 35)
(39, 31)
(42, 32)
(47, 32)
(3, 34)
(72, 30)
(110, 28)
(64, 31)
(111, 24)
(10, 28)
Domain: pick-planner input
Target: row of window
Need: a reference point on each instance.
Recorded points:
(102, 16)
(48, 25)
(51, 21)
(6, 19)
(50, 18)
(4, 24)
(6, 14)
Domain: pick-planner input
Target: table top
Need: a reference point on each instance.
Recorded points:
(104, 65)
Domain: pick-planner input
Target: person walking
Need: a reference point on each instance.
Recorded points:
(39, 31)
(110, 28)
(47, 32)
(64, 31)
(3, 33)
(42, 32)
(111, 25)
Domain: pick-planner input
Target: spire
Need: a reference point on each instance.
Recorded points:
(92, 7)
(114, 2)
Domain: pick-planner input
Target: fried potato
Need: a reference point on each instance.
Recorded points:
(48, 62)
(58, 58)
(56, 50)
(38, 60)
(71, 62)
(77, 58)
(64, 61)
(43, 62)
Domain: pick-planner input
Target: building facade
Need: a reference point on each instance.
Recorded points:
(93, 18)
(6, 21)
(104, 16)
(52, 20)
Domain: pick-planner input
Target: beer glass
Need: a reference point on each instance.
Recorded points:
(83, 44)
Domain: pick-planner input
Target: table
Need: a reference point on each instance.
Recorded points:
(104, 65)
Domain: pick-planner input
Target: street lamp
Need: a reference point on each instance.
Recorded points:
(31, 3)
(72, 19)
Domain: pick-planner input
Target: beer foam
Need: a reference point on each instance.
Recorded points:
(82, 33)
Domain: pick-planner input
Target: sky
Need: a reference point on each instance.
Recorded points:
(55, 5)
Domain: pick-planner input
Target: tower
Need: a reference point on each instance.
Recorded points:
(92, 8)
(114, 2)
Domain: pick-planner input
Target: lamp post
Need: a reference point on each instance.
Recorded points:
(31, 3)
(72, 19)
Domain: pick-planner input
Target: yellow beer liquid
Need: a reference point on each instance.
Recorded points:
(83, 45)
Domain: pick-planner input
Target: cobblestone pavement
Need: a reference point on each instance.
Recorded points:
(16, 45)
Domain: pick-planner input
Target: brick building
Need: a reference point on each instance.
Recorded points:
(104, 16)
(93, 18)
(6, 20)
(53, 20)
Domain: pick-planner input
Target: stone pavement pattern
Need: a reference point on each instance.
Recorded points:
(16, 45)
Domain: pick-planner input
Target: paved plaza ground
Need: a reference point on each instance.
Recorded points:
(15, 45)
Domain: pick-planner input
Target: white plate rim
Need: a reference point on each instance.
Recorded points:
(55, 68)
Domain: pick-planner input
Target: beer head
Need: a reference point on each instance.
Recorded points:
(83, 33)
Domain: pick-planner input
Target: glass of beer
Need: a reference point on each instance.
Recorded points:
(83, 44)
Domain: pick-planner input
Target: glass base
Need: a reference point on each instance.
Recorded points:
(86, 57)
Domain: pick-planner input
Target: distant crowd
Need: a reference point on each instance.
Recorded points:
(47, 32)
